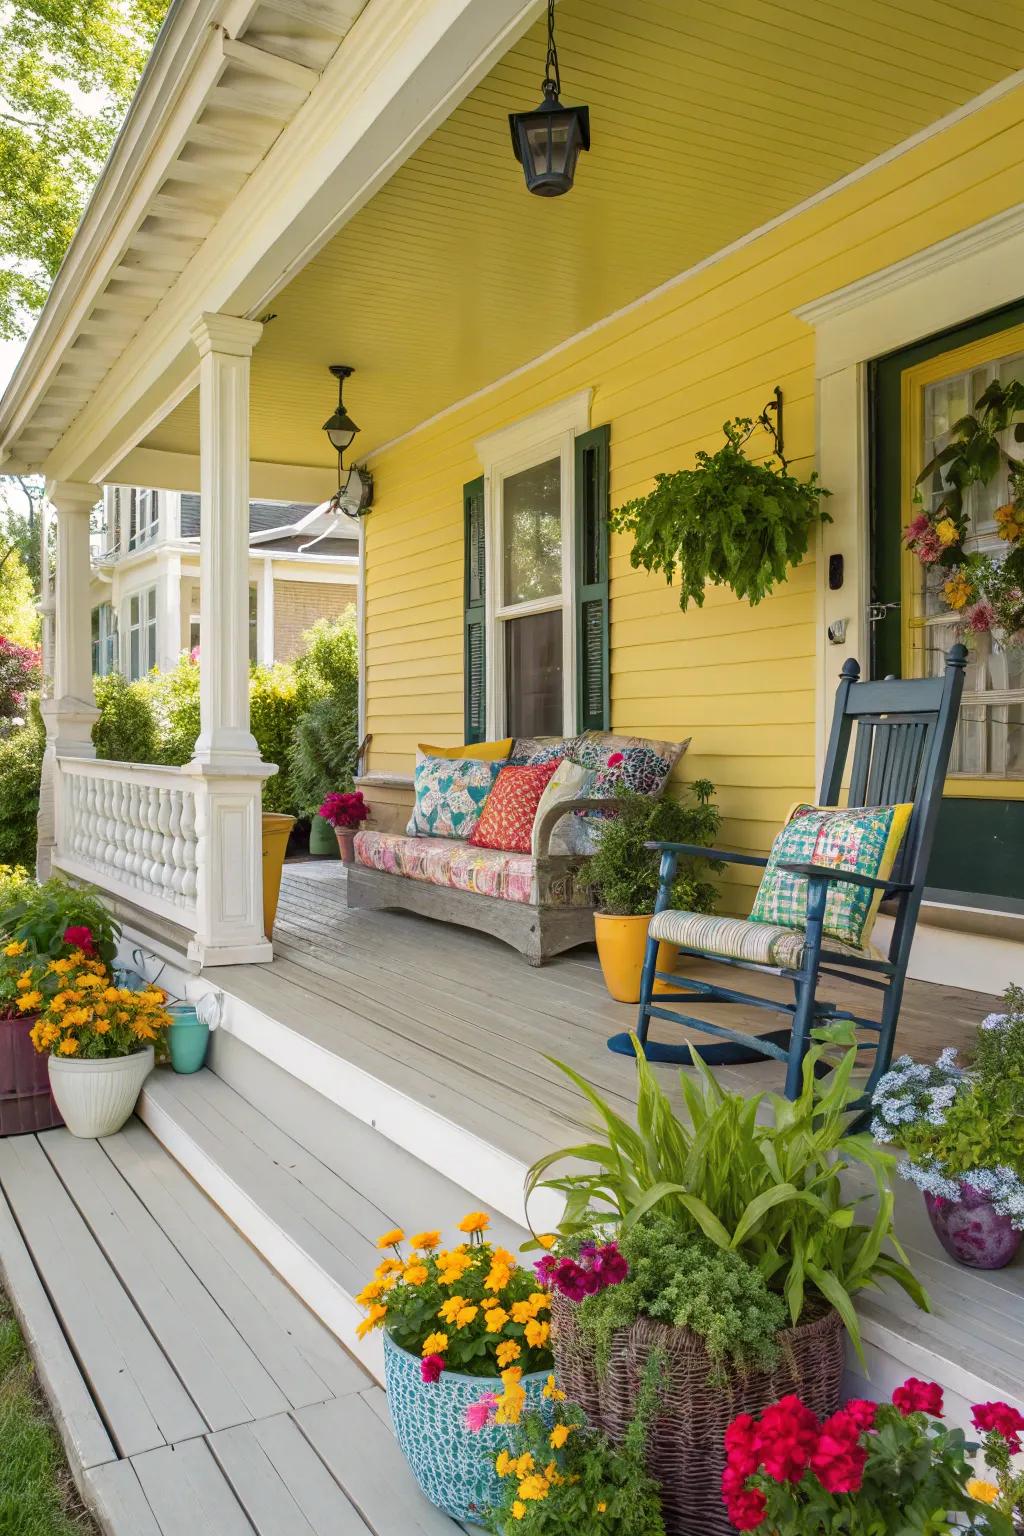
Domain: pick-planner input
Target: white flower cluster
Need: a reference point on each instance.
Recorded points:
(1003, 1187)
(911, 1092)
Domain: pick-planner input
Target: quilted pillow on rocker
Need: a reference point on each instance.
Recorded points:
(862, 840)
(507, 819)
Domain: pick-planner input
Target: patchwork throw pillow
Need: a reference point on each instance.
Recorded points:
(528, 751)
(865, 841)
(450, 794)
(568, 782)
(507, 819)
(487, 751)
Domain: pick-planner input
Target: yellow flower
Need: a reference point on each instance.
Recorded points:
(523, 1464)
(452, 1266)
(984, 1492)
(490, 1302)
(947, 531)
(600, 1507)
(518, 1510)
(957, 591)
(416, 1274)
(548, 1239)
(425, 1241)
(540, 1301)
(522, 1312)
(90, 981)
(451, 1308)
(385, 1268)
(102, 1026)
(504, 1464)
(533, 1487)
(68, 1047)
(552, 1391)
(537, 1334)
(1009, 522)
(370, 1293)
(59, 967)
(507, 1351)
(498, 1277)
(435, 1344)
(559, 1435)
(391, 1238)
(24, 980)
(466, 1316)
(16, 947)
(496, 1318)
(29, 1000)
(374, 1318)
(476, 1221)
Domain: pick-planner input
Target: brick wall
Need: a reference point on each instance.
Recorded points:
(298, 604)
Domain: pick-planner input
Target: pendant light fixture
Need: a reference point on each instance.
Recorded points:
(355, 485)
(548, 140)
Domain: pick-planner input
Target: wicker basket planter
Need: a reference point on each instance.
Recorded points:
(26, 1103)
(453, 1466)
(685, 1443)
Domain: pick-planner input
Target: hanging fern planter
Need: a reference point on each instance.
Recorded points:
(728, 522)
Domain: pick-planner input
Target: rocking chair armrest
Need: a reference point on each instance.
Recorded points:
(554, 815)
(846, 876)
(695, 851)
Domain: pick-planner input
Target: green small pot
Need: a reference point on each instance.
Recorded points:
(188, 1038)
(322, 841)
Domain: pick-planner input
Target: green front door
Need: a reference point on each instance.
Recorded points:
(916, 396)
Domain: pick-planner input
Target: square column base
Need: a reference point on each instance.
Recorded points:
(229, 864)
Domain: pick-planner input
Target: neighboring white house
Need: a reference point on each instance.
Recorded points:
(144, 588)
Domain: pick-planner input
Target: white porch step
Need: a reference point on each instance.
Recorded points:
(312, 1188)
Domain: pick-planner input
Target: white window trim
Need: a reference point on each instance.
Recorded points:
(547, 434)
(140, 598)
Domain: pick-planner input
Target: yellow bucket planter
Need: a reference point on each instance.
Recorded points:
(276, 831)
(621, 944)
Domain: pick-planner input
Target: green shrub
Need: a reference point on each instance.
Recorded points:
(330, 660)
(273, 716)
(175, 703)
(21, 765)
(43, 912)
(323, 752)
(624, 872)
(126, 730)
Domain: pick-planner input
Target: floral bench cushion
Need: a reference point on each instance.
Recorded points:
(736, 938)
(451, 862)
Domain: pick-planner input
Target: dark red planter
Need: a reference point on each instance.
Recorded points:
(26, 1103)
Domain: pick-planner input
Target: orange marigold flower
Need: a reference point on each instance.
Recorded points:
(416, 1274)
(374, 1319)
(559, 1435)
(390, 1238)
(69, 1046)
(495, 1319)
(507, 1351)
(425, 1241)
(537, 1334)
(435, 1344)
(476, 1221)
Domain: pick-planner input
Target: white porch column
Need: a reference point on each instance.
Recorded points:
(70, 712)
(226, 764)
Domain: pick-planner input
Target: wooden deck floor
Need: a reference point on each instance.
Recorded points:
(194, 1391)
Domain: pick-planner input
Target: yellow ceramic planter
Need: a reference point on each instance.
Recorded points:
(276, 831)
(621, 943)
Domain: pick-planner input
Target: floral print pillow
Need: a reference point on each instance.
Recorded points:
(532, 751)
(450, 795)
(642, 765)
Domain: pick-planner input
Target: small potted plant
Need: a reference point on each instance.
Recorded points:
(560, 1477)
(345, 812)
(100, 1038)
(623, 873)
(459, 1324)
(962, 1128)
(885, 1468)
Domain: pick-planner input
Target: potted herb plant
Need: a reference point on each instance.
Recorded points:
(36, 922)
(459, 1324)
(962, 1128)
(99, 1037)
(885, 1468)
(758, 1308)
(345, 812)
(729, 521)
(623, 874)
(561, 1477)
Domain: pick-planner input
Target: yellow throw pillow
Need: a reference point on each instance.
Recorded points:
(479, 751)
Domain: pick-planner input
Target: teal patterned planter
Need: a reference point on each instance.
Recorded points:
(453, 1466)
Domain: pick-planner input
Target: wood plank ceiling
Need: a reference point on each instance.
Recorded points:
(709, 117)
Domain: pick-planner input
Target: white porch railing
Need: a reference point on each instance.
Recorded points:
(130, 828)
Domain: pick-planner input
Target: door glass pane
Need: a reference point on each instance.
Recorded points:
(533, 674)
(532, 530)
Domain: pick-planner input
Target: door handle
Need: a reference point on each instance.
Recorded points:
(878, 611)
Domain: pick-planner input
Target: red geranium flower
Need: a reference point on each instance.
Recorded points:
(747, 1509)
(80, 938)
(431, 1367)
(786, 1438)
(1006, 1421)
(916, 1396)
(838, 1459)
(740, 1446)
(862, 1411)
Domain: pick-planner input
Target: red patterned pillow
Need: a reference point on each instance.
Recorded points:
(506, 821)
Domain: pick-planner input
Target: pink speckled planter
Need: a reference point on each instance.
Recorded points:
(971, 1231)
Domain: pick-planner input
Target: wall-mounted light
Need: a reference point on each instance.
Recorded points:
(548, 140)
(355, 485)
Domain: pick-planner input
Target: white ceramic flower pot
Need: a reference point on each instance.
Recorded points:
(96, 1097)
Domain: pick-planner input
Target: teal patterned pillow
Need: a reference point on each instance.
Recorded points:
(450, 795)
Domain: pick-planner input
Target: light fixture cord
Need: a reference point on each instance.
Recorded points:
(551, 74)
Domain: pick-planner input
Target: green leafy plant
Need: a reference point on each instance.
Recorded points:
(126, 730)
(677, 1277)
(624, 871)
(21, 763)
(727, 522)
(42, 914)
(322, 757)
(765, 1187)
(273, 719)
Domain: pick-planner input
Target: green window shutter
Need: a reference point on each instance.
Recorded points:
(475, 587)
(593, 710)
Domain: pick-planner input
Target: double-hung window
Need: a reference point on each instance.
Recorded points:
(536, 579)
(141, 633)
(104, 640)
(143, 517)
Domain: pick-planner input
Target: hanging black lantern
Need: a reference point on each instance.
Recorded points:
(340, 427)
(355, 486)
(548, 140)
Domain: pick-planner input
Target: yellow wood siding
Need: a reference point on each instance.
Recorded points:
(737, 680)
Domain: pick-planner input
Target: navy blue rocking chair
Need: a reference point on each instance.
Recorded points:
(901, 734)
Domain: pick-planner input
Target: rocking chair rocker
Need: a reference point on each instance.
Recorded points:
(904, 734)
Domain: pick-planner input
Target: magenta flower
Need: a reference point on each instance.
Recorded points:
(80, 938)
(980, 618)
(477, 1415)
(431, 1367)
(915, 529)
(928, 547)
(345, 810)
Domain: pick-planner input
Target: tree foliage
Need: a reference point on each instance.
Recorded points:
(67, 74)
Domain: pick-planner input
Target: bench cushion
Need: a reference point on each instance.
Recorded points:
(736, 938)
(456, 864)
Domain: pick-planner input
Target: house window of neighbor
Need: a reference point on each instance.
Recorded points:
(104, 640)
(193, 628)
(143, 517)
(141, 633)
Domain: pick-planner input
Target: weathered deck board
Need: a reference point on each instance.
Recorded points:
(188, 1493)
(281, 1482)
